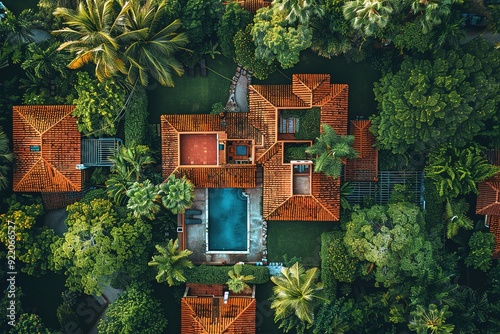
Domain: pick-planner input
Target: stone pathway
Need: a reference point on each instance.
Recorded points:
(238, 92)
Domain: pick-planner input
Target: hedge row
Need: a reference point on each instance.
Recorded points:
(219, 274)
(329, 282)
(136, 119)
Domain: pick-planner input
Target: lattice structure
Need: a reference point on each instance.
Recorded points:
(365, 167)
(47, 149)
(379, 192)
(203, 311)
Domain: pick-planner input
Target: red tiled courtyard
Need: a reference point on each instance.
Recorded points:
(198, 149)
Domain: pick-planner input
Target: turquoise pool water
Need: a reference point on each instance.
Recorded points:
(227, 220)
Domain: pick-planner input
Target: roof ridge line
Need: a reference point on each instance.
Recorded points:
(255, 90)
(64, 176)
(323, 206)
(279, 206)
(239, 315)
(23, 116)
(28, 172)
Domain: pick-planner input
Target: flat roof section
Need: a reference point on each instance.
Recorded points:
(198, 149)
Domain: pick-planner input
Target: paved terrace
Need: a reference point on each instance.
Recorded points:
(195, 234)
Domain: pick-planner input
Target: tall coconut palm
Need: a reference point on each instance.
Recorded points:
(296, 295)
(368, 16)
(5, 158)
(237, 281)
(177, 194)
(171, 263)
(91, 34)
(150, 46)
(331, 149)
(299, 11)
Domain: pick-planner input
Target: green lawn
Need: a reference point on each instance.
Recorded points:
(301, 239)
(16, 6)
(193, 95)
(359, 77)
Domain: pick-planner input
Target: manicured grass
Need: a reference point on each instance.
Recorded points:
(193, 95)
(16, 6)
(359, 77)
(301, 239)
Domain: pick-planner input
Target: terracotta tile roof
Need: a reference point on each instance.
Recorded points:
(227, 176)
(494, 223)
(365, 167)
(260, 124)
(47, 148)
(279, 202)
(252, 5)
(202, 314)
(488, 200)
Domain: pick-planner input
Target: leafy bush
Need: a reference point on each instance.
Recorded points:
(329, 282)
(136, 118)
(295, 151)
(217, 108)
(338, 261)
(97, 106)
(245, 55)
(481, 250)
(218, 274)
(93, 194)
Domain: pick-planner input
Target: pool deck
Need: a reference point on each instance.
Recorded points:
(195, 234)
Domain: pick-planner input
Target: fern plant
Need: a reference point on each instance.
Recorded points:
(457, 171)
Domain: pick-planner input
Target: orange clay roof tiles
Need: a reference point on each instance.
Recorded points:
(47, 148)
(494, 223)
(488, 200)
(306, 91)
(365, 167)
(210, 315)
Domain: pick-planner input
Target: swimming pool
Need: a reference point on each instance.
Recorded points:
(227, 230)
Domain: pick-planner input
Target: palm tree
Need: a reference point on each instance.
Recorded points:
(331, 149)
(142, 199)
(91, 34)
(177, 194)
(431, 321)
(369, 16)
(237, 282)
(5, 158)
(18, 30)
(299, 11)
(171, 263)
(129, 164)
(296, 294)
(455, 216)
(149, 46)
(45, 62)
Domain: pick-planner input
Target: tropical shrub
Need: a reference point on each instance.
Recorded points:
(171, 263)
(245, 55)
(456, 171)
(480, 251)
(98, 105)
(235, 18)
(343, 267)
(136, 118)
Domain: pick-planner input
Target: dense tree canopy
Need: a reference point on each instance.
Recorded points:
(99, 245)
(235, 18)
(392, 240)
(447, 99)
(276, 40)
(135, 311)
